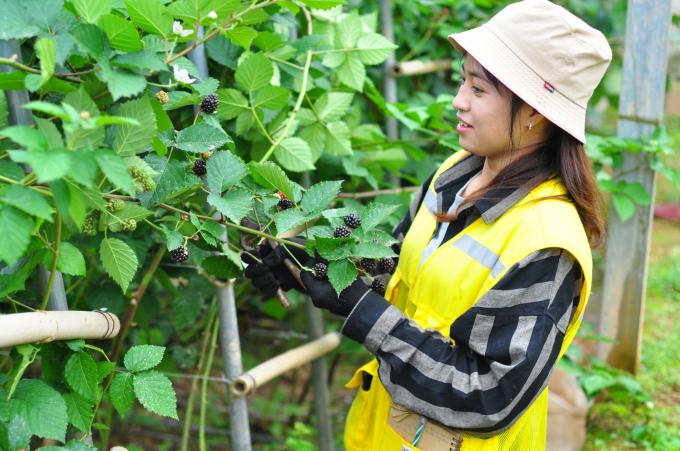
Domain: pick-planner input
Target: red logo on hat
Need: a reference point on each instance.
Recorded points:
(549, 87)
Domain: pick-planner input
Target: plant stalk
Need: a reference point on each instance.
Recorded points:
(204, 386)
(53, 270)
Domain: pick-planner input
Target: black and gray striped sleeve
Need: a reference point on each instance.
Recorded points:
(506, 346)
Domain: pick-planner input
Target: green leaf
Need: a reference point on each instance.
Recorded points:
(119, 260)
(341, 273)
(208, 86)
(288, 219)
(318, 197)
(132, 139)
(11, 170)
(182, 10)
(234, 205)
(70, 200)
(18, 434)
(373, 250)
(123, 83)
(375, 48)
(174, 238)
(171, 182)
(85, 139)
(323, 4)
(246, 120)
(335, 248)
(331, 106)
(25, 136)
(189, 99)
(254, 73)
(91, 10)
(142, 60)
(201, 138)
(624, 206)
(77, 344)
(143, 357)
(42, 407)
(352, 71)
(242, 36)
(121, 33)
(213, 227)
(79, 411)
(82, 375)
(223, 51)
(148, 15)
(4, 114)
(295, 155)
(374, 214)
(315, 135)
(156, 394)
(162, 119)
(272, 97)
(268, 41)
(338, 140)
(47, 52)
(271, 177)
(104, 369)
(28, 200)
(71, 260)
(638, 193)
(47, 165)
(122, 392)
(100, 426)
(348, 32)
(223, 9)
(16, 22)
(131, 211)
(224, 170)
(15, 233)
(114, 167)
(222, 266)
(54, 138)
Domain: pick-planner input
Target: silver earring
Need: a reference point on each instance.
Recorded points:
(530, 125)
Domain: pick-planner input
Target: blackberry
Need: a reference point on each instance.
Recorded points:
(342, 232)
(369, 264)
(378, 285)
(386, 264)
(180, 254)
(210, 103)
(162, 97)
(353, 220)
(285, 204)
(200, 168)
(320, 270)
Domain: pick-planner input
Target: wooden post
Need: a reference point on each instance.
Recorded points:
(642, 95)
(389, 82)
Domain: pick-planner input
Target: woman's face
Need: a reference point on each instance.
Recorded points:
(483, 113)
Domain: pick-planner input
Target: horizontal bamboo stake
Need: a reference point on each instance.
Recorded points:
(410, 68)
(287, 361)
(43, 326)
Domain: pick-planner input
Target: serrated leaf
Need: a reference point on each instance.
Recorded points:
(28, 200)
(184, 100)
(288, 219)
(374, 214)
(271, 177)
(272, 97)
(208, 86)
(201, 138)
(82, 375)
(324, 4)
(224, 51)
(123, 83)
(131, 211)
(26, 136)
(254, 73)
(47, 165)
(245, 121)
(115, 169)
(15, 233)
(224, 170)
(241, 36)
(349, 30)
(222, 266)
(372, 250)
(119, 260)
(156, 394)
(122, 392)
(352, 71)
(295, 155)
(173, 237)
(143, 357)
(104, 369)
(268, 41)
(624, 206)
(338, 139)
(234, 205)
(375, 48)
(79, 411)
(148, 15)
(11, 170)
(213, 227)
(54, 138)
(17, 22)
(334, 248)
(71, 260)
(331, 106)
(42, 407)
(4, 114)
(121, 33)
(86, 139)
(638, 193)
(132, 139)
(141, 60)
(318, 197)
(18, 434)
(90, 10)
(232, 103)
(171, 182)
(341, 274)
(315, 135)
(47, 51)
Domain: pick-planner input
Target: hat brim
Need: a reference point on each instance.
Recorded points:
(509, 69)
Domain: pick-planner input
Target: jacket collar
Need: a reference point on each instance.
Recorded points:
(502, 199)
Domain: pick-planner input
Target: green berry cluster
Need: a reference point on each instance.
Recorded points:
(143, 178)
(90, 224)
(129, 225)
(115, 205)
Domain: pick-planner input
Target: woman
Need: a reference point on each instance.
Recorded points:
(495, 266)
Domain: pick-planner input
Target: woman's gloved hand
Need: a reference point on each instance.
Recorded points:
(271, 274)
(323, 294)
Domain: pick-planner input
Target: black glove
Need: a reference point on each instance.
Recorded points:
(323, 294)
(271, 274)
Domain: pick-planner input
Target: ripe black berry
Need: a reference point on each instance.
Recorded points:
(386, 264)
(369, 264)
(353, 220)
(320, 270)
(378, 285)
(180, 254)
(285, 204)
(342, 232)
(210, 103)
(200, 168)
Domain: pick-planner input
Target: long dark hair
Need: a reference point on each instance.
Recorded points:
(560, 156)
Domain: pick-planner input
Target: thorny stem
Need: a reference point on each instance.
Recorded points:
(197, 113)
(53, 271)
(259, 123)
(154, 225)
(204, 386)
(16, 65)
(46, 243)
(94, 414)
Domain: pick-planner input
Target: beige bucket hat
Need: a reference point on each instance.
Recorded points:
(546, 55)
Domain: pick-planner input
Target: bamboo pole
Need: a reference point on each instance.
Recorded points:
(287, 361)
(46, 326)
(410, 68)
